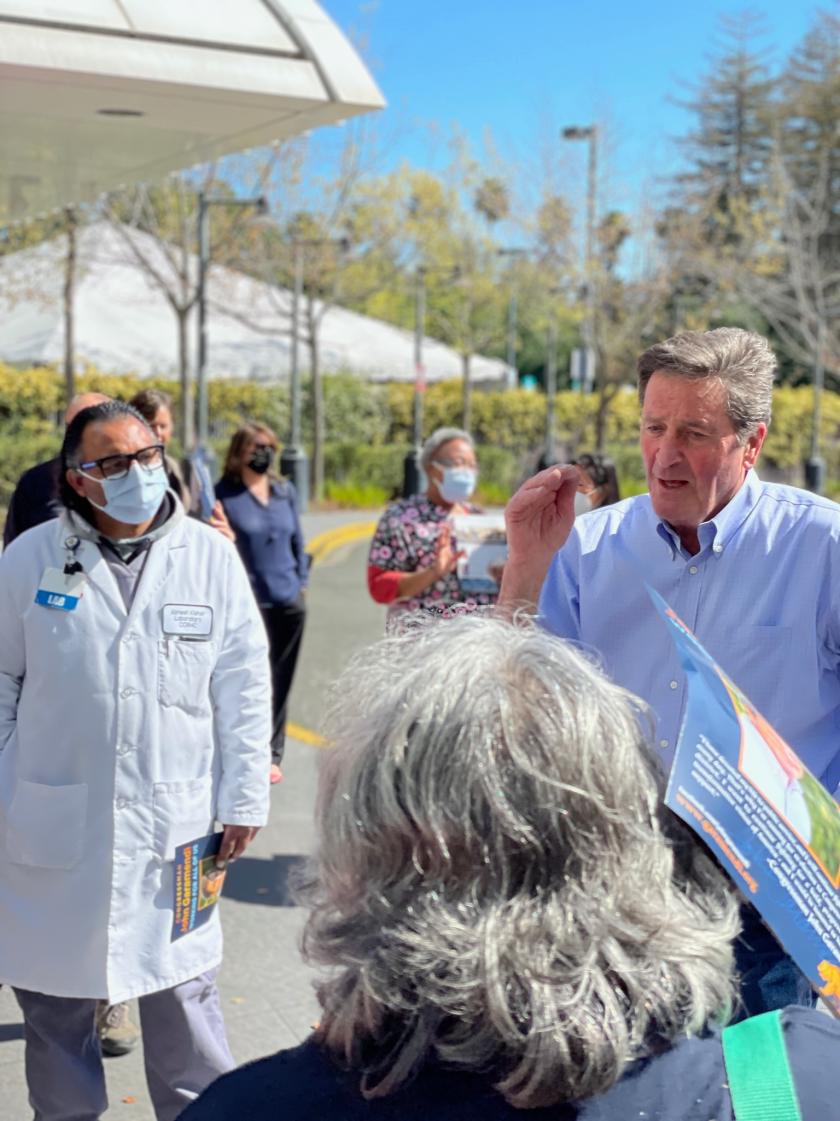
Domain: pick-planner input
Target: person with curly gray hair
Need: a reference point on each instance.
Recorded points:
(413, 559)
(506, 923)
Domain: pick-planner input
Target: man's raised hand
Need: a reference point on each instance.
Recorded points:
(539, 519)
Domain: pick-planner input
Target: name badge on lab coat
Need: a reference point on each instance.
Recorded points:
(60, 591)
(187, 620)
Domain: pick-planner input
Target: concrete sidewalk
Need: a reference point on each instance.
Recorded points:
(266, 990)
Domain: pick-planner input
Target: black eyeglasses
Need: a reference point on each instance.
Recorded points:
(118, 466)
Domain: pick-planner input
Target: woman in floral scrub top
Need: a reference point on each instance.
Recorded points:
(414, 555)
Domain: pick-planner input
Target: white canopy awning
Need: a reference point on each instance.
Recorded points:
(124, 323)
(95, 94)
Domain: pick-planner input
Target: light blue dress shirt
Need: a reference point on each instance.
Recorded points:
(762, 595)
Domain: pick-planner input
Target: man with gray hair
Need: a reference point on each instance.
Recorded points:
(752, 567)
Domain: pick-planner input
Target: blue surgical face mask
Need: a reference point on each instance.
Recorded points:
(136, 497)
(457, 484)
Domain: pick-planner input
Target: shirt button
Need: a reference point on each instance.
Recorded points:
(663, 743)
(121, 803)
(717, 548)
(675, 684)
(694, 570)
(123, 749)
(127, 692)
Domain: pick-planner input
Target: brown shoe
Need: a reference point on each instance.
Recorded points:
(117, 1034)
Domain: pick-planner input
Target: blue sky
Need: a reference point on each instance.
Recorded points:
(525, 69)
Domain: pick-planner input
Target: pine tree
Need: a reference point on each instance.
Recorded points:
(729, 150)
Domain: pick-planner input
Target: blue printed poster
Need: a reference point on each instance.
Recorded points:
(198, 884)
(768, 820)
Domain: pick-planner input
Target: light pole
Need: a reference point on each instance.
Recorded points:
(204, 204)
(294, 462)
(815, 464)
(512, 319)
(411, 465)
(589, 133)
(550, 453)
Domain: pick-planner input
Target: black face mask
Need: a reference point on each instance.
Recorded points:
(261, 460)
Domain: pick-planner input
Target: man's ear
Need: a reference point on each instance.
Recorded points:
(753, 445)
(76, 481)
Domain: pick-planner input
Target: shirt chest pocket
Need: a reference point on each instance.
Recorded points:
(753, 652)
(184, 672)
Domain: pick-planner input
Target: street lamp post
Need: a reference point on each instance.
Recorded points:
(294, 462)
(815, 464)
(512, 316)
(589, 133)
(204, 204)
(412, 471)
(551, 393)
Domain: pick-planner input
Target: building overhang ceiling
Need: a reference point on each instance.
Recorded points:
(95, 94)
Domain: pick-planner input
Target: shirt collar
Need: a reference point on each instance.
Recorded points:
(717, 532)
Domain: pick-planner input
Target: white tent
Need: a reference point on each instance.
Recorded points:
(123, 322)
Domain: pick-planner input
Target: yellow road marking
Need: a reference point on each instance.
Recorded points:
(327, 542)
(298, 732)
(320, 547)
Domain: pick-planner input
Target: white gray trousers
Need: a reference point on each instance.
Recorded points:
(184, 1050)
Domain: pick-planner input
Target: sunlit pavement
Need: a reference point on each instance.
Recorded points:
(266, 989)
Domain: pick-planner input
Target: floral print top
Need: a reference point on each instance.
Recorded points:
(405, 541)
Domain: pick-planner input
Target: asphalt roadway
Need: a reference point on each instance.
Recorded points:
(266, 989)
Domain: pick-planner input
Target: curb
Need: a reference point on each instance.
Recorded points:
(323, 544)
(319, 548)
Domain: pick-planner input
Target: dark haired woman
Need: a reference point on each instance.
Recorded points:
(262, 511)
(598, 482)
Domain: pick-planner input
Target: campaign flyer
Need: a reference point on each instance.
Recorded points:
(483, 541)
(198, 883)
(769, 821)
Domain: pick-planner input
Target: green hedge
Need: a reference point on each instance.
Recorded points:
(369, 427)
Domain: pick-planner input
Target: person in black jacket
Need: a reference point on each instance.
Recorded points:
(35, 498)
(509, 928)
(262, 511)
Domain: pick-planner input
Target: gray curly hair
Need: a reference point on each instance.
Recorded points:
(497, 884)
(742, 360)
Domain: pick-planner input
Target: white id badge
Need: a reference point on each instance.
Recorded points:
(60, 591)
(187, 620)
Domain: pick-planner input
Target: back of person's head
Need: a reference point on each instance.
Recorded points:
(82, 401)
(106, 411)
(497, 885)
(252, 430)
(601, 471)
(742, 360)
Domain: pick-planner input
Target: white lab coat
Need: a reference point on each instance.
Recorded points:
(116, 745)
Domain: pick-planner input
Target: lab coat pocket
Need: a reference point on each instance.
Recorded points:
(183, 812)
(45, 825)
(184, 670)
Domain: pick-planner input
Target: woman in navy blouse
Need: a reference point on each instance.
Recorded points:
(262, 510)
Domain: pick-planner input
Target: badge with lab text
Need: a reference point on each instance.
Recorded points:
(60, 591)
(187, 620)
